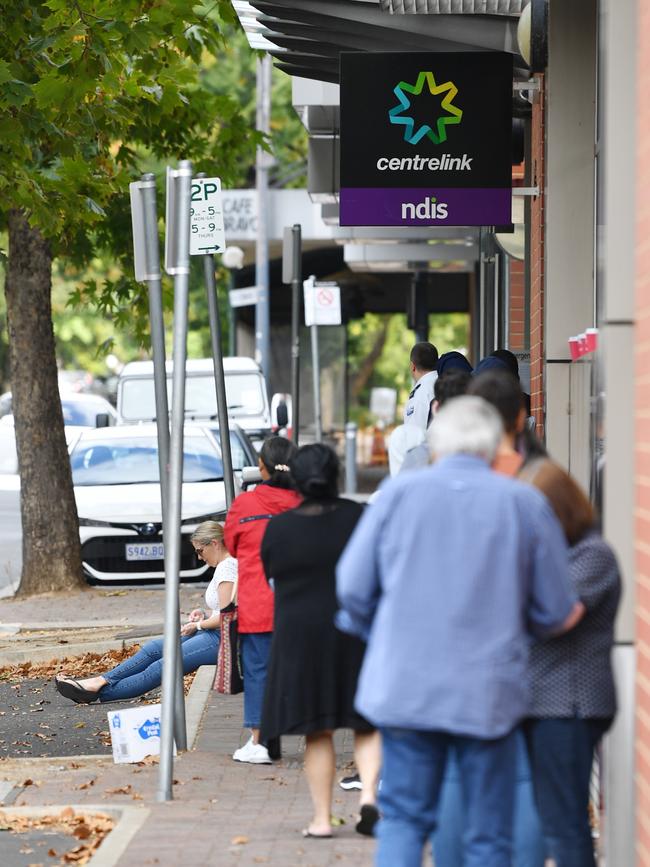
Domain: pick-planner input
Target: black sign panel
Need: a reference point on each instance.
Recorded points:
(426, 139)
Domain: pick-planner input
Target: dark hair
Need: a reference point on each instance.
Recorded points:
(276, 455)
(502, 390)
(315, 471)
(569, 502)
(453, 361)
(450, 385)
(424, 356)
(509, 358)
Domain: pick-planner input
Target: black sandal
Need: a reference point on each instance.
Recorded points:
(367, 821)
(74, 691)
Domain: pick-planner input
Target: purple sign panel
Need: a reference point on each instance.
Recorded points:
(426, 139)
(425, 206)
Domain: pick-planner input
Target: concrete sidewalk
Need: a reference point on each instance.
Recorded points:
(223, 812)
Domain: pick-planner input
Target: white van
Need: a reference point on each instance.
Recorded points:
(246, 394)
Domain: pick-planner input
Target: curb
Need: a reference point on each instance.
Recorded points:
(129, 822)
(196, 702)
(59, 651)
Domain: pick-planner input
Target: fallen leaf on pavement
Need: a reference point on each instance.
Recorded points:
(121, 790)
(239, 841)
(80, 725)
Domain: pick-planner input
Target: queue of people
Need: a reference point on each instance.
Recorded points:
(461, 625)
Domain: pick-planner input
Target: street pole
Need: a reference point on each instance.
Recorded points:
(262, 308)
(147, 260)
(315, 362)
(232, 317)
(219, 377)
(178, 224)
(296, 285)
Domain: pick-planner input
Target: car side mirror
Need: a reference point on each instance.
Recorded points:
(102, 419)
(282, 415)
(250, 476)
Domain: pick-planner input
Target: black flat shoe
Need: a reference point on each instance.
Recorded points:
(72, 690)
(369, 818)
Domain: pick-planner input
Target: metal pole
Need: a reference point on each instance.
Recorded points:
(262, 308)
(157, 323)
(157, 333)
(296, 285)
(232, 316)
(315, 360)
(219, 377)
(351, 458)
(171, 662)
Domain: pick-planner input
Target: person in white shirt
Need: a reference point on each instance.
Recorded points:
(199, 636)
(423, 362)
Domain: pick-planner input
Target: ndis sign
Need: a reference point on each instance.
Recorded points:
(426, 139)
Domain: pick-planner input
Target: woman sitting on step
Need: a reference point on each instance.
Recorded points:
(200, 636)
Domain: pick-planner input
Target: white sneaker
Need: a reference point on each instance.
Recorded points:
(254, 754)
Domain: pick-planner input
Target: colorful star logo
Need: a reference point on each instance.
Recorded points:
(438, 135)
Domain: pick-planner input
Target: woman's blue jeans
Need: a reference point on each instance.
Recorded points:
(255, 648)
(143, 671)
(561, 754)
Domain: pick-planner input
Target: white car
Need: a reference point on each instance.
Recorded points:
(117, 489)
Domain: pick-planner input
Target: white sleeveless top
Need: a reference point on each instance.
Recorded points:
(225, 571)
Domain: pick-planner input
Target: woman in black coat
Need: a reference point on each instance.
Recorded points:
(313, 667)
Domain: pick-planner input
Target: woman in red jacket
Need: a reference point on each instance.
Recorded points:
(244, 530)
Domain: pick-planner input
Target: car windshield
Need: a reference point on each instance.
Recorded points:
(244, 396)
(240, 458)
(134, 460)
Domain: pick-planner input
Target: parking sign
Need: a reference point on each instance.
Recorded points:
(207, 233)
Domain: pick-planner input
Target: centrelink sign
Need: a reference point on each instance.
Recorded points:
(426, 139)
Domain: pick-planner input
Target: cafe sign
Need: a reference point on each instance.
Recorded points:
(426, 139)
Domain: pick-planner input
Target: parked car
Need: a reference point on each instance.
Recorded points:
(79, 411)
(246, 393)
(242, 450)
(117, 488)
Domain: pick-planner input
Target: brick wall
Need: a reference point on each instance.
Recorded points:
(538, 149)
(516, 331)
(642, 349)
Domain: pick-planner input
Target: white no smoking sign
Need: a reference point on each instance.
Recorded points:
(322, 303)
(207, 233)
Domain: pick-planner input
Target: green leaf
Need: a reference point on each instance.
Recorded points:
(50, 90)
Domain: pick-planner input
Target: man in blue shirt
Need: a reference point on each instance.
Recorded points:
(446, 576)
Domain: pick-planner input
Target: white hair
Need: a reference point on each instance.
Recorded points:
(466, 425)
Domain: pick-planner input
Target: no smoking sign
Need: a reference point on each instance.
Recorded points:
(322, 303)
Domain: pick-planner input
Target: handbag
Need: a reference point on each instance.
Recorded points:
(228, 679)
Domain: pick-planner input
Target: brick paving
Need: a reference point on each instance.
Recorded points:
(222, 813)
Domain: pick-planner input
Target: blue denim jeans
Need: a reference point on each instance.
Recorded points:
(255, 648)
(561, 753)
(412, 775)
(447, 840)
(143, 671)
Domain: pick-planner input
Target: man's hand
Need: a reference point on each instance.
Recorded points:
(188, 628)
(196, 615)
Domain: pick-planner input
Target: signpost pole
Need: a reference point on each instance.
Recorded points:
(218, 242)
(148, 186)
(262, 308)
(296, 281)
(177, 262)
(315, 360)
(147, 268)
(219, 377)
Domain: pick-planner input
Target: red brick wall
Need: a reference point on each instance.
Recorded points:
(516, 335)
(642, 348)
(538, 148)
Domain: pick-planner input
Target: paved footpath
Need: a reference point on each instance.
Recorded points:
(222, 813)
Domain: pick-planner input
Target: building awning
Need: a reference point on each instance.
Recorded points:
(307, 37)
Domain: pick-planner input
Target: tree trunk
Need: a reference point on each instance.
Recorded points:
(51, 548)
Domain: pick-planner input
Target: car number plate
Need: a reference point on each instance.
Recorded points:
(145, 551)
